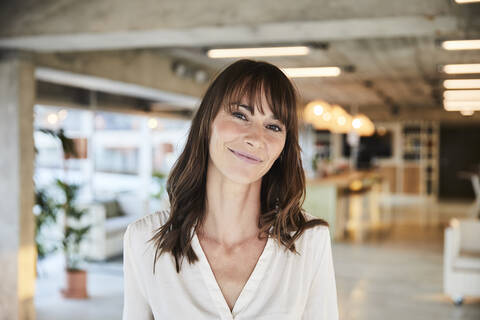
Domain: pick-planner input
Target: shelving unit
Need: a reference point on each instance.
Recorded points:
(323, 144)
(420, 157)
(413, 168)
(431, 156)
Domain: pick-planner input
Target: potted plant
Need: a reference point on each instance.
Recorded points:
(74, 234)
(73, 230)
(45, 211)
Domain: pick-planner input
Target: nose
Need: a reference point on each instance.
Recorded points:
(254, 136)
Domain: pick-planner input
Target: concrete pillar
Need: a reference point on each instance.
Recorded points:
(17, 223)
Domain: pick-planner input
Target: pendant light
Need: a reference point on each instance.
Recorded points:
(341, 120)
(318, 113)
(363, 125)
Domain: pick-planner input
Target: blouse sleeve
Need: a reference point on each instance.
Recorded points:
(135, 304)
(322, 299)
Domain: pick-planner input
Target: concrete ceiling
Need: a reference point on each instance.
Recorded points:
(392, 45)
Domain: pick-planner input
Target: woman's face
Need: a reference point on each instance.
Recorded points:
(244, 144)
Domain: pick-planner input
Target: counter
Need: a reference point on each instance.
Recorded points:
(349, 202)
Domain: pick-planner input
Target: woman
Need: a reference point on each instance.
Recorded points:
(235, 214)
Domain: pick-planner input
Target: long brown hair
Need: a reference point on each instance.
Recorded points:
(283, 186)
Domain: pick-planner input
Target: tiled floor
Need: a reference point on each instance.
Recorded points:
(105, 288)
(397, 275)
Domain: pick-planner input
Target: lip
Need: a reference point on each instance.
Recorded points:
(245, 156)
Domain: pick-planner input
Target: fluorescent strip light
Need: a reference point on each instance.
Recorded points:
(258, 52)
(461, 45)
(461, 68)
(312, 72)
(462, 84)
(466, 1)
(461, 95)
(461, 105)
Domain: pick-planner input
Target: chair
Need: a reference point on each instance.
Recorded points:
(461, 260)
(475, 209)
(109, 220)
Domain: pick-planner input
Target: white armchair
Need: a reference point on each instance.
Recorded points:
(461, 273)
(105, 238)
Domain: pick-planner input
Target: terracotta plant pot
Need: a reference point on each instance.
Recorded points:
(76, 285)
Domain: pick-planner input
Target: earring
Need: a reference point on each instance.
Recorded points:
(277, 205)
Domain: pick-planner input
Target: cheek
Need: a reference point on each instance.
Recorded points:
(227, 130)
(223, 132)
(276, 144)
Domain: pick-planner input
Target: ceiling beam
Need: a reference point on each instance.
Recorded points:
(114, 87)
(267, 33)
(146, 74)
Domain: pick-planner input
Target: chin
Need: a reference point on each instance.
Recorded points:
(242, 176)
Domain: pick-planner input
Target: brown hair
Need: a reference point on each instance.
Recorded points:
(283, 186)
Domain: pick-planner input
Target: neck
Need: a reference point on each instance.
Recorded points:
(232, 209)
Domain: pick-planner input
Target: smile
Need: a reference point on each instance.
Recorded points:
(245, 157)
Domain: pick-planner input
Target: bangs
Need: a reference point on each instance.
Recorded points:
(260, 82)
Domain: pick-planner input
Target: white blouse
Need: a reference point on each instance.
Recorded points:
(283, 285)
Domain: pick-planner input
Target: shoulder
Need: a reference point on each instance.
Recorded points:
(309, 217)
(318, 231)
(317, 237)
(145, 227)
(153, 220)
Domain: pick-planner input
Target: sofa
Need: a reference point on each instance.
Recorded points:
(461, 264)
(109, 219)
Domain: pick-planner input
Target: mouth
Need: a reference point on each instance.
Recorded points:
(245, 156)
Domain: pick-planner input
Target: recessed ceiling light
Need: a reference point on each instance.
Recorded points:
(312, 72)
(461, 44)
(462, 84)
(466, 1)
(461, 95)
(461, 105)
(258, 52)
(461, 68)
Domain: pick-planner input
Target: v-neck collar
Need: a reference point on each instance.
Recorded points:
(249, 288)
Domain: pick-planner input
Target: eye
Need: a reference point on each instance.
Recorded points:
(274, 127)
(239, 115)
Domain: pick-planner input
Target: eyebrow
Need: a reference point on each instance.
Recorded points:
(251, 110)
